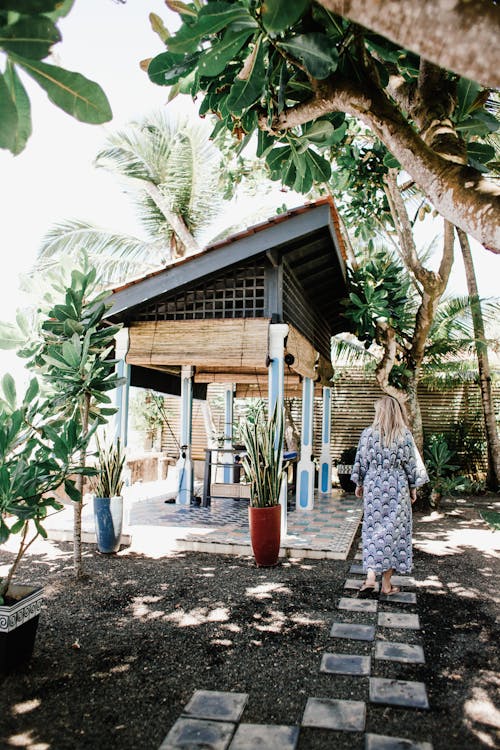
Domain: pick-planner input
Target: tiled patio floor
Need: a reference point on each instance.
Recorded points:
(325, 532)
(152, 526)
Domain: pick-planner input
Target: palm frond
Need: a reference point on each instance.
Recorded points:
(348, 350)
(116, 257)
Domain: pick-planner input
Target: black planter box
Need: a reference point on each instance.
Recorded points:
(18, 625)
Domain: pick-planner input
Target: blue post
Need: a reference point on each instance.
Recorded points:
(185, 464)
(122, 391)
(325, 461)
(305, 468)
(276, 378)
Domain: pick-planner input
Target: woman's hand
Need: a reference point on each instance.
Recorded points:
(413, 495)
(359, 490)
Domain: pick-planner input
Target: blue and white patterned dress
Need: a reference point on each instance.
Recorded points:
(387, 474)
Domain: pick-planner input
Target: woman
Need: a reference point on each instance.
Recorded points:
(387, 470)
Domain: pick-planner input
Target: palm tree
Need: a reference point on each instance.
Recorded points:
(172, 172)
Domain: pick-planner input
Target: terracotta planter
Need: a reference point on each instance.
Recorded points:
(265, 534)
(18, 625)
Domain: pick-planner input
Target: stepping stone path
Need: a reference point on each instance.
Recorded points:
(324, 712)
(211, 719)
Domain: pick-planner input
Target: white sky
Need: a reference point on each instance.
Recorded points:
(54, 179)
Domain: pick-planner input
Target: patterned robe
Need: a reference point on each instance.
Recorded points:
(387, 474)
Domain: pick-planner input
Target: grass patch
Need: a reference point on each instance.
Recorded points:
(492, 518)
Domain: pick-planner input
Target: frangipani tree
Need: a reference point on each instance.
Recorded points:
(290, 72)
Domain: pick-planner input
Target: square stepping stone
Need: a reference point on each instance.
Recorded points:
(382, 742)
(195, 734)
(353, 583)
(404, 652)
(253, 736)
(398, 692)
(396, 620)
(356, 569)
(353, 631)
(404, 597)
(357, 605)
(403, 581)
(216, 705)
(345, 664)
(327, 713)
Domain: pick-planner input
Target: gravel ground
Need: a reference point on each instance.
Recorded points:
(119, 654)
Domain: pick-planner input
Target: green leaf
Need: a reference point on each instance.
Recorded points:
(159, 27)
(22, 104)
(247, 91)
(316, 52)
(213, 61)
(30, 37)
(275, 160)
(10, 336)
(320, 168)
(30, 7)
(9, 389)
(166, 69)
(390, 161)
(72, 92)
(8, 117)
(480, 152)
(61, 9)
(467, 94)
(211, 19)
(278, 15)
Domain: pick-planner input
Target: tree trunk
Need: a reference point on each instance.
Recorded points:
(77, 507)
(453, 35)
(414, 411)
(492, 440)
(186, 243)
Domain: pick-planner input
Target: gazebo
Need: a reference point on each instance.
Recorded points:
(255, 311)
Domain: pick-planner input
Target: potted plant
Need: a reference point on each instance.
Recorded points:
(108, 501)
(344, 469)
(263, 464)
(36, 451)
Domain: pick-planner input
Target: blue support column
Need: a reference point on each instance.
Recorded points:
(325, 461)
(305, 468)
(276, 375)
(185, 464)
(122, 391)
(227, 459)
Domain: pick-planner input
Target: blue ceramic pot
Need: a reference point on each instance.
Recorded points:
(108, 519)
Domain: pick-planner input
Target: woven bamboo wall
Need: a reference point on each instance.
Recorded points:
(352, 410)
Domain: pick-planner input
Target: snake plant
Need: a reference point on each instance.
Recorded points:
(263, 464)
(111, 459)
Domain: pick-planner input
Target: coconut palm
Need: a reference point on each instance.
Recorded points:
(171, 170)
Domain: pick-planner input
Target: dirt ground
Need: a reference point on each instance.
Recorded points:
(119, 655)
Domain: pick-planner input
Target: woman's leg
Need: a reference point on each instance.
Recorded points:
(369, 585)
(387, 587)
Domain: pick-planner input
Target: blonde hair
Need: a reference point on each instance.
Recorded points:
(390, 420)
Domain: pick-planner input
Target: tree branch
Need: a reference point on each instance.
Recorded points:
(458, 192)
(458, 36)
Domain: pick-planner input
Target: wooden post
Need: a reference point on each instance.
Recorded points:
(305, 469)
